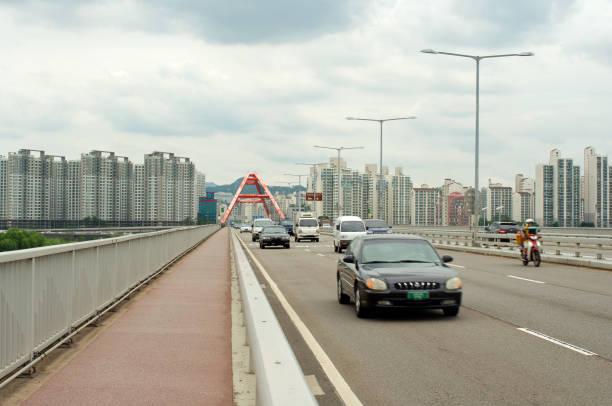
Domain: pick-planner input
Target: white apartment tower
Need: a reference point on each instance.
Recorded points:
(169, 187)
(499, 202)
(3, 199)
(105, 186)
(426, 210)
(596, 192)
(401, 198)
(558, 192)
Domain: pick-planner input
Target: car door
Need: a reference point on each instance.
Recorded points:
(349, 271)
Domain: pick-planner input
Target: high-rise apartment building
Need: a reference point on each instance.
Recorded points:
(3, 199)
(499, 202)
(401, 198)
(73, 191)
(169, 187)
(558, 192)
(452, 207)
(596, 192)
(426, 206)
(105, 185)
(522, 206)
(41, 190)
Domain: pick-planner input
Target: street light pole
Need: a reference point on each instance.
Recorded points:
(476, 58)
(299, 183)
(338, 165)
(380, 169)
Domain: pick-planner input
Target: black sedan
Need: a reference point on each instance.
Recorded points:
(397, 271)
(273, 235)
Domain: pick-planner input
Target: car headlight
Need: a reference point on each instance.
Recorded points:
(453, 284)
(376, 284)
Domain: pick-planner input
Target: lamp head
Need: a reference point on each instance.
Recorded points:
(526, 54)
(428, 51)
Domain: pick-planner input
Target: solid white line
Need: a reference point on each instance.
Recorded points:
(556, 341)
(306, 249)
(343, 389)
(321, 255)
(456, 266)
(524, 279)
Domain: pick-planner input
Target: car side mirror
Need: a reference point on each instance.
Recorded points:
(390, 226)
(367, 227)
(447, 258)
(338, 227)
(349, 259)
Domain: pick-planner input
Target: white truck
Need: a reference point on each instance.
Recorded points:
(306, 227)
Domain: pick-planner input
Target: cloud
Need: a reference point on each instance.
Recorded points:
(225, 22)
(236, 88)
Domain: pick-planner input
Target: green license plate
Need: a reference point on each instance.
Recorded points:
(418, 295)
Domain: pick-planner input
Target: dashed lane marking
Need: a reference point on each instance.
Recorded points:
(524, 279)
(456, 266)
(321, 255)
(556, 341)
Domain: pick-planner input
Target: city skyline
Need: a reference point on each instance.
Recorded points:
(258, 95)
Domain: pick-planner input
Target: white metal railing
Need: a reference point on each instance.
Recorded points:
(47, 293)
(598, 246)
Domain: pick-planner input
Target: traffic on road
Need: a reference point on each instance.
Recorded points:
(524, 335)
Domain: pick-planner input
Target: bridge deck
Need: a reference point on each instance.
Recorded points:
(171, 347)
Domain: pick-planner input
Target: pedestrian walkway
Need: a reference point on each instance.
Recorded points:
(171, 347)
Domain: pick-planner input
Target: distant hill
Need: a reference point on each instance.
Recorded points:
(231, 188)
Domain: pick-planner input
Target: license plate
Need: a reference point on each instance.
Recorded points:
(418, 295)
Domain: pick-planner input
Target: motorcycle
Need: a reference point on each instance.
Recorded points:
(531, 251)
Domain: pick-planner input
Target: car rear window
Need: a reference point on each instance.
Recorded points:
(352, 226)
(274, 230)
(263, 223)
(308, 223)
(375, 224)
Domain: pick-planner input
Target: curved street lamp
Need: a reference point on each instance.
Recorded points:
(380, 170)
(476, 58)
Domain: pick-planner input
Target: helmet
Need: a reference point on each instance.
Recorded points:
(529, 221)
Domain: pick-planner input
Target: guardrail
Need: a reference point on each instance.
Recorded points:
(553, 245)
(279, 378)
(48, 294)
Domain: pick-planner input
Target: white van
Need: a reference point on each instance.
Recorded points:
(306, 228)
(346, 228)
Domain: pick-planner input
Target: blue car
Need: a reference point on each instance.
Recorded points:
(288, 224)
(376, 226)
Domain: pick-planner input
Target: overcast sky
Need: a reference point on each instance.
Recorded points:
(242, 86)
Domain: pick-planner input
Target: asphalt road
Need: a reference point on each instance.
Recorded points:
(478, 358)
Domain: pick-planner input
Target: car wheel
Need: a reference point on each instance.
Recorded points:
(335, 247)
(262, 246)
(316, 240)
(451, 311)
(286, 245)
(342, 298)
(360, 311)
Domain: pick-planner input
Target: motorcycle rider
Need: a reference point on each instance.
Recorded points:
(524, 234)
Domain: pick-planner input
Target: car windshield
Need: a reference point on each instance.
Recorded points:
(398, 251)
(286, 222)
(274, 230)
(352, 226)
(375, 223)
(308, 223)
